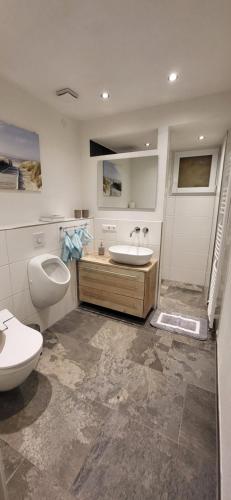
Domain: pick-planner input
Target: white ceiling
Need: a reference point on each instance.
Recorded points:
(122, 143)
(182, 137)
(185, 137)
(125, 46)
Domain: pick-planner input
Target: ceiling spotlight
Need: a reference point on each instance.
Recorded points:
(105, 95)
(147, 144)
(172, 77)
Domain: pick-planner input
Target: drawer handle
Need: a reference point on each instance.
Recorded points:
(108, 272)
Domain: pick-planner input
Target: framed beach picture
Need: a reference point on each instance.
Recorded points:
(112, 184)
(20, 167)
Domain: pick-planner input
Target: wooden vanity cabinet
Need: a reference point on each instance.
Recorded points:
(124, 288)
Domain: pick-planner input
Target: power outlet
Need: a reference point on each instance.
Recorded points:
(109, 228)
(38, 240)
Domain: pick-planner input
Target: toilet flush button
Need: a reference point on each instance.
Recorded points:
(38, 240)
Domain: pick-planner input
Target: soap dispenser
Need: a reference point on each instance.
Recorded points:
(101, 250)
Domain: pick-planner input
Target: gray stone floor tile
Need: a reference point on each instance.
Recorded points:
(198, 428)
(150, 349)
(116, 410)
(128, 461)
(11, 459)
(147, 395)
(155, 401)
(193, 478)
(70, 348)
(191, 365)
(79, 324)
(57, 439)
(28, 483)
(207, 345)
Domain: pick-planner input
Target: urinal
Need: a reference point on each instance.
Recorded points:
(49, 279)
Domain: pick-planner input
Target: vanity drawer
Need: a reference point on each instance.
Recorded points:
(115, 280)
(111, 300)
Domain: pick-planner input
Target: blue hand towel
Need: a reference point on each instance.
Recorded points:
(67, 248)
(85, 236)
(77, 245)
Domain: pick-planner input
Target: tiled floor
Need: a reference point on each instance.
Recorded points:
(115, 411)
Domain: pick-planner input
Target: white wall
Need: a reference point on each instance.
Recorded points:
(89, 172)
(122, 234)
(16, 249)
(215, 109)
(60, 158)
(186, 242)
(187, 232)
(224, 384)
(125, 220)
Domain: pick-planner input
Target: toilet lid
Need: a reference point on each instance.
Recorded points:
(18, 343)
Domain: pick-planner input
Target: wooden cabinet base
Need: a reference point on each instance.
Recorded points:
(119, 287)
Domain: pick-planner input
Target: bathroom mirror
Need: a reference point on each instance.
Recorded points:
(127, 183)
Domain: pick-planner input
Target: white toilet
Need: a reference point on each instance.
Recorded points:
(49, 279)
(20, 349)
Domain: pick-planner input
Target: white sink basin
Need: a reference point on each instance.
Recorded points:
(128, 254)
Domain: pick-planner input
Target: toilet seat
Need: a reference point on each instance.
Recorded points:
(18, 343)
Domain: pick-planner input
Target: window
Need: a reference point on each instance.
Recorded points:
(195, 172)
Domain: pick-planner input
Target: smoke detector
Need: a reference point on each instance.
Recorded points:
(67, 91)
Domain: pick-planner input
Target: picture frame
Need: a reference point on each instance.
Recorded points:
(20, 166)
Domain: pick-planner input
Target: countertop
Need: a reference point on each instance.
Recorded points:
(106, 260)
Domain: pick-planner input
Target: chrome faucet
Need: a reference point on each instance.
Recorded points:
(135, 230)
(145, 230)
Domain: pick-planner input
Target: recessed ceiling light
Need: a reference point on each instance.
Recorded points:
(147, 144)
(105, 95)
(201, 137)
(172, 77)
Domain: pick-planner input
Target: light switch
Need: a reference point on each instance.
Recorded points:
(38, 240)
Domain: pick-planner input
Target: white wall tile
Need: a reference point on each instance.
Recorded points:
(201, 206)
(186, 238)
(187, 275)
(153, 236)
(166, 272)
(20, 305)
(5, 285)
(106, 244)
(170, 205)
(7, 304)
(123, 230)
(191, 244)
(14, 290)
(18, 276)
(167, 242)
(190, 260)
(100, 234)
(3, 249)
(20, 241)
(194, 226)
(156, 250)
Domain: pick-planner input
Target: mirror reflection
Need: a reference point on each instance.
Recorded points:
(128, 183)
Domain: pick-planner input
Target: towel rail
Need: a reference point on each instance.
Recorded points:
(66, 228)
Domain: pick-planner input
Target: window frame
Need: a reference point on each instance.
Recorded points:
(211, 189)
